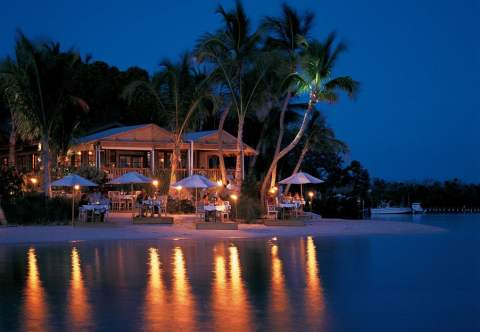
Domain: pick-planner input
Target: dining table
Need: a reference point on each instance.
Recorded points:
(213, 209)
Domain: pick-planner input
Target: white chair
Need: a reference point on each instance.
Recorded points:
(272, 211)
(226, 212)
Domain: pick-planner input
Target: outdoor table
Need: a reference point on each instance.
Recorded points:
(210, 208)
(92, 208)
(286, 206)
(150, 204)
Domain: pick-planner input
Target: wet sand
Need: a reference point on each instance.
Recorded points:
(119, 227)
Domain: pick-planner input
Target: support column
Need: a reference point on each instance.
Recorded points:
(152, 160)
(97, 157)
(190, 159)
(243, 162)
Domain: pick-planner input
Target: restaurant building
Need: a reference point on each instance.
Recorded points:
(147, 149)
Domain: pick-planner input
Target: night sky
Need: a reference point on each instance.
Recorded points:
(416, 116)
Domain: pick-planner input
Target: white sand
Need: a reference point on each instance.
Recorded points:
(119, 227)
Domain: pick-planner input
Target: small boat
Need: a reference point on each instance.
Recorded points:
(417, 208)
(385, 208)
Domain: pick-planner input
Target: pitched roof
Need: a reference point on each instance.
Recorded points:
(195, 136)
(106, 133)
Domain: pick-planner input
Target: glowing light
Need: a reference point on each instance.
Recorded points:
(219, 183)
(79, 307)
(279, 305)
(77, 187)
(90, 153)
(39, 146)
(234, 197)
(310, 194)
(35, 306)
(178, 188)
(155, 298)
(274, 238)
(183, 299)
(34, 180)
(155, 183)
(79, 153)
(314, 291)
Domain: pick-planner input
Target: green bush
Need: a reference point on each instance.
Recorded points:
(163, 176)
(249, 207)
(35, 208)
(11, 182)
(180, 206)
(93, 174)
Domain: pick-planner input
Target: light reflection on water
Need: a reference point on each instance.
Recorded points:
(35, 310)
(78, 304)
(329, 284)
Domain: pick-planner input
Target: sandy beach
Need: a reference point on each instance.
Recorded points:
(119, 227)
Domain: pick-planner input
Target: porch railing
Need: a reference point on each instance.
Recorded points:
(213, 174)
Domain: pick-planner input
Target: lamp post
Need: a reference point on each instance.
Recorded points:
(75, 189)
(310, 195)
(234, 197)
(34, 182)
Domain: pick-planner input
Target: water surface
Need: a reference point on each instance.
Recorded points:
(356, 283)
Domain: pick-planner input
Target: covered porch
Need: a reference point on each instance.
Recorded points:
(147, 149)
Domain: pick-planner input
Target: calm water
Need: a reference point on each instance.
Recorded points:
(364, 283)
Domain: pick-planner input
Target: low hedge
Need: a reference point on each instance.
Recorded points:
(35, 208)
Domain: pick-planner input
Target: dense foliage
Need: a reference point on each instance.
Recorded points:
(264, 84)
(34, 208)
(432, 194)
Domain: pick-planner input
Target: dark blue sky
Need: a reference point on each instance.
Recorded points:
(417, 115)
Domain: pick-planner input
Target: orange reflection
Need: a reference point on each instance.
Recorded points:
(230, 303)
(155, 302)
(279, 307)
(314, 297)
(183, 303)
(78, 306)
(35, 307)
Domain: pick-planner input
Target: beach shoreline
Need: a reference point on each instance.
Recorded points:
(121, 229)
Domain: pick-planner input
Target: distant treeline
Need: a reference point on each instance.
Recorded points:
(432, 194)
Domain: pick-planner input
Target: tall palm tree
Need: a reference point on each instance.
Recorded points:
(41, 76)
(234, 52)
(287, 34)
(319, 138)
(179, 90)
(315, 79)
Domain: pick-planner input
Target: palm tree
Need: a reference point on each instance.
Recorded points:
(179, 90)
(315, 78)
(319, 138)
(287, 34)
(41, 76)
(240, 65)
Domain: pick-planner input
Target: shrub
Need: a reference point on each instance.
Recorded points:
(249, 207)
(11, 182)
(35, 208)
(180, 206)
(93, 174)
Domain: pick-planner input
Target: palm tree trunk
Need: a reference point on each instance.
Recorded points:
(280, 136)
(239, 162)
(174, 161)
(223, 170)
(260, 143)
(12, 146)
(47, 166)
(305, 149)
(286, 150)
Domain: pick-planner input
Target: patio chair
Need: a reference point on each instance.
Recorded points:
(163, 204)
(82, 214)
(272, 211)
(226, 212)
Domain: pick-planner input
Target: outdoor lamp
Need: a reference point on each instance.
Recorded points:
(77, 187)
(178, 188)
(155, 183)
(34, 180)
(219, 183)
(310, 194)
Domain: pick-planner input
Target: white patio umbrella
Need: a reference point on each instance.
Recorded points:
(131, 178)
(73, 180)
(301, 178)
(195, 182)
